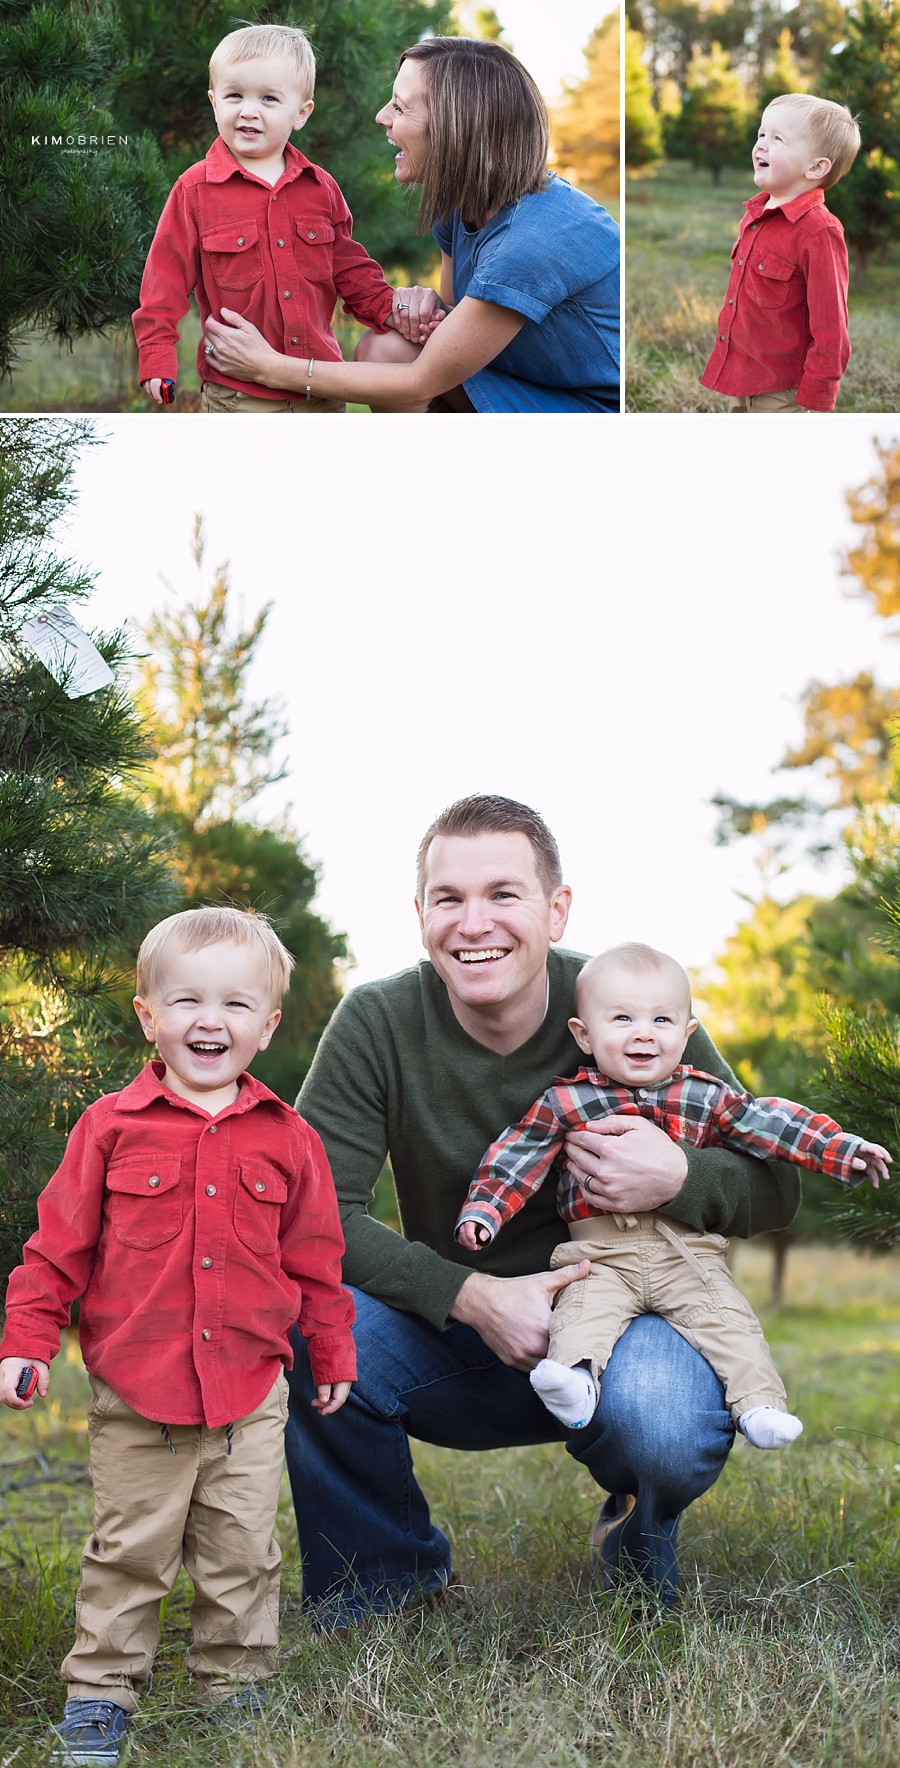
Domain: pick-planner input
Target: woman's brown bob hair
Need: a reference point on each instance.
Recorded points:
(488, 133)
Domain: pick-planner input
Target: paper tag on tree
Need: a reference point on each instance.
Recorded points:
(65, 649)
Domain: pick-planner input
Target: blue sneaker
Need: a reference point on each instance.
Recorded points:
(91, 1731)
(241, 1710)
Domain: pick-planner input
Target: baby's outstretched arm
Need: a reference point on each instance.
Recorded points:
(873, 1160)
(10, 1371)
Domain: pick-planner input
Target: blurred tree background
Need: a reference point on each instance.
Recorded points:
(585, 127)
(713, 69)
(804, 1000)
(119, 807)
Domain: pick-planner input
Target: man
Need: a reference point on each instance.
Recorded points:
(429, 1067)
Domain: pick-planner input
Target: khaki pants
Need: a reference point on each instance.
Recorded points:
(203, 1508)
(647, 1265)
(215, 397)
(785, 401)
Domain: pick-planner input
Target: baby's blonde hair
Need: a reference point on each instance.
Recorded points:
(832, 130)
(264, 43)
(640, 959)
(193, 929)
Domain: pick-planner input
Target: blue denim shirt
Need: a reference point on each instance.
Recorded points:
(555, 258)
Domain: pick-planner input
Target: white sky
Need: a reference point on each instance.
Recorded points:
(549, 39)
(610, 621)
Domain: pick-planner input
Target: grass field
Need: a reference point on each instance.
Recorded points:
(783, 1653)
(100, 374)
(679, 232)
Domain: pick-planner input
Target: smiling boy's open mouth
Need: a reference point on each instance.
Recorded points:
(210, 1051)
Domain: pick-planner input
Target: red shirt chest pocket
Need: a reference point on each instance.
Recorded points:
(234, 255)
(261, 1190)
(145, 1201)
(776, 281)
(314, 243)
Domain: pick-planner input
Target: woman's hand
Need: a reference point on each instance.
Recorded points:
(235, 347)
(416, 313)
(625, 1164)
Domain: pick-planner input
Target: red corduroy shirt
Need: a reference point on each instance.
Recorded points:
(784, 322)
(195, 1243)
(279, 254)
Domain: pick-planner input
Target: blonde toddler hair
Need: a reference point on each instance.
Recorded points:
(193, 929)
(832, 130)
(264, 43)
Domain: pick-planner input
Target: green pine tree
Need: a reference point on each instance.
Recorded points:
(643, 127)
(76, 220)
(357, 43)
(214, 749)
(864, 73)
(711, 128)
(84, 867)
(783, 74)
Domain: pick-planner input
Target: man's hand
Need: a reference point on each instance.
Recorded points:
(625, 1164)
(416, 313)
(872, 1159)
(512, 1314)
(331, 1398)
(10, 1370)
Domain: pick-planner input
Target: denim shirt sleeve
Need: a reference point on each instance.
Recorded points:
(547, 249)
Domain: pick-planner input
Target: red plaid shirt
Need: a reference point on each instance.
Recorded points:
(690, 1106)
(279, 254)
(784, 322)
(195, 1243)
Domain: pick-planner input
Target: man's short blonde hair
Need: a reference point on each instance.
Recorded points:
(268, 43)
(832, 130)
(193, 929)
(641, 960)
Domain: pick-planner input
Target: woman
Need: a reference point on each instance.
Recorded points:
(528, 318)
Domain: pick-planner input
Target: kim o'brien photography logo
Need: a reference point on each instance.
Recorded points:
(79, 143)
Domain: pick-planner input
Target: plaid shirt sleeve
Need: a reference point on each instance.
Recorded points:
(779, 1130)
(515, 1166)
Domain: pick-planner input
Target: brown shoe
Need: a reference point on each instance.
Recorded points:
(616, 1510)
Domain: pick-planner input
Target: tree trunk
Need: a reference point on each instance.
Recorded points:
(781, 1242)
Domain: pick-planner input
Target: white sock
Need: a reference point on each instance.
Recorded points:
(570, 1394)
(767, 1428)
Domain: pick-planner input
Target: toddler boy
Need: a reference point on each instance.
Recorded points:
(195, 1215)
(256, 228)
(634, 1021)
(782, 342)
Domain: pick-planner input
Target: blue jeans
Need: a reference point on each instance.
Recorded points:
(661, 1431)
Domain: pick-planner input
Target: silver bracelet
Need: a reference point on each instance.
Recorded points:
(309, 379)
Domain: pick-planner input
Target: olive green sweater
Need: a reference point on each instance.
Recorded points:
(395, 1074)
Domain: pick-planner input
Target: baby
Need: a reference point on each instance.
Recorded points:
(634, 1007)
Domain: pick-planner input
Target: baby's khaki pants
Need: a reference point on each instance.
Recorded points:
(648, 1265)
(203, 1508)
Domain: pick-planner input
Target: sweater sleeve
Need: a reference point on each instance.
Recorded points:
(345, 1097)
(58, 1259)
(726, 1192)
